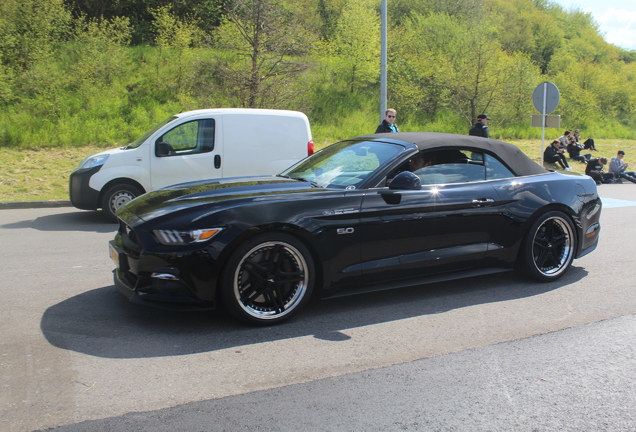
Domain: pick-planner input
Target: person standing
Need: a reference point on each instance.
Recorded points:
(618, 166)
(480, 128)
(388, 124)
(553, 154)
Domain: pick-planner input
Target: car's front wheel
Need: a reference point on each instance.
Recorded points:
(268, 279)
(116, 197)
(548, 248)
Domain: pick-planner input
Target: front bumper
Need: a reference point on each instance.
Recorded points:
(160, 287)
(81, 194)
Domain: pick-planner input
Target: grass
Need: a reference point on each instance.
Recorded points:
(27, 175)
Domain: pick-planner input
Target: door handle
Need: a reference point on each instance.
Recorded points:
(217, 161)
(483, 202)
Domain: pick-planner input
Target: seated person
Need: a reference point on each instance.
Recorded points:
(553, 154)
(594, 169)
(564, 140)
(617, 167)
(575, 153)
(418, 162)
(589, 144)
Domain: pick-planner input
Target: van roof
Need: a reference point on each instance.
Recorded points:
(243, 111)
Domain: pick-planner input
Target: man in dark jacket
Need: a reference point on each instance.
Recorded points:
(387, 124)
(480, 128)
(553, 154)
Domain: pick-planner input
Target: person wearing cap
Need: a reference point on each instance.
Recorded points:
(480, 128)
(617, 167)
(388, 124)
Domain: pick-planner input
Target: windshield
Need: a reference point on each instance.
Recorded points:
(345, 165)
(145, 136)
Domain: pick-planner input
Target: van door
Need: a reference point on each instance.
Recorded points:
(189, 151)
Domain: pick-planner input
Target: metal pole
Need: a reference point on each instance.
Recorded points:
(545, 102)
(383, 61)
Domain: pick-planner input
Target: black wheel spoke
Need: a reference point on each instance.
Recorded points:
(276, 299)
(255, 270)
(542, 257)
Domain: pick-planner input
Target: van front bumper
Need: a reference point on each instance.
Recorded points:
(81, 194)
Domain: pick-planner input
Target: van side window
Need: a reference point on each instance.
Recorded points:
(187, 138)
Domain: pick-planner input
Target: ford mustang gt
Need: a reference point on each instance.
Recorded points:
(365, 214)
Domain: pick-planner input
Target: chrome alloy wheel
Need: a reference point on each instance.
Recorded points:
(553, 246)
(271, 280)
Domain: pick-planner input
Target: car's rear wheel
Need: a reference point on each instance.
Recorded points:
(548, 248)
(268, 279)
(116, 197)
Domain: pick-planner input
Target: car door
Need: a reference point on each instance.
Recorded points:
(446, 225)
(187, 152)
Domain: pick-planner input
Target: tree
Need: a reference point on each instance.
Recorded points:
(29, 29)
(354, 48)
(265, 47)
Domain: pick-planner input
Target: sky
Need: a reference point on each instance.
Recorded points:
(616, 18)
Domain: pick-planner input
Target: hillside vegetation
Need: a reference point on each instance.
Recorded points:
(76, 73)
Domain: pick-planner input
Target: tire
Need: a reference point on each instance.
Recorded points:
(116, 197)
(268, 279)
(548, 248)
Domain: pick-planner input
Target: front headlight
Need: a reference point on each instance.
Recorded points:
(94, 161)
(176, 237)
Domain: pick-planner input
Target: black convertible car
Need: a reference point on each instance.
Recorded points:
(370, 213)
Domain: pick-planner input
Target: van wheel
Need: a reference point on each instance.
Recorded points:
(116, 197)
(268, 279)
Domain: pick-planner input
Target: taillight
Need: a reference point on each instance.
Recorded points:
(310, 148)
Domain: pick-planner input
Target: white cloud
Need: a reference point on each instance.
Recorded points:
(619, 27)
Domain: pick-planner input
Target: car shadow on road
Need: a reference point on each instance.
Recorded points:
(85, 221)
(103, 323)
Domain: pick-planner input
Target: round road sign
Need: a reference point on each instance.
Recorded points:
(546, 97)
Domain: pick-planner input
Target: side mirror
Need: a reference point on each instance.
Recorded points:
(163, 149)
(405, 180)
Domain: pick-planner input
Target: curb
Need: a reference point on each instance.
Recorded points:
(8, 205)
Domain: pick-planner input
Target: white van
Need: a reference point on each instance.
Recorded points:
(193, 145)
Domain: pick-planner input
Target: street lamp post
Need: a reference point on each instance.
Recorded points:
(383, 61)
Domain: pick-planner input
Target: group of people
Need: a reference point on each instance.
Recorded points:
(480, 128)
(617, 169)
(569, 142)
(555, 153)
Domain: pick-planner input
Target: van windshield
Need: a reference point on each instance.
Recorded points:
(145, 136)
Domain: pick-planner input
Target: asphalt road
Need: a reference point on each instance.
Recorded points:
(494, 353)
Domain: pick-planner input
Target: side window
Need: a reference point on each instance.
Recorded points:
(187, 138)
(452, 166)
(496, 170)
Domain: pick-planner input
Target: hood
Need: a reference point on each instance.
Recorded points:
(204, 197)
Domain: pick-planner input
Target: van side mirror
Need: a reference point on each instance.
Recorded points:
(163, 149)
(405, 180)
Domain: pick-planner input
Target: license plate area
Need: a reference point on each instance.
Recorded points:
(115, 256)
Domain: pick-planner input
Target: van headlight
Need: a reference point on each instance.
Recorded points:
(180, 238)
(94, 161)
